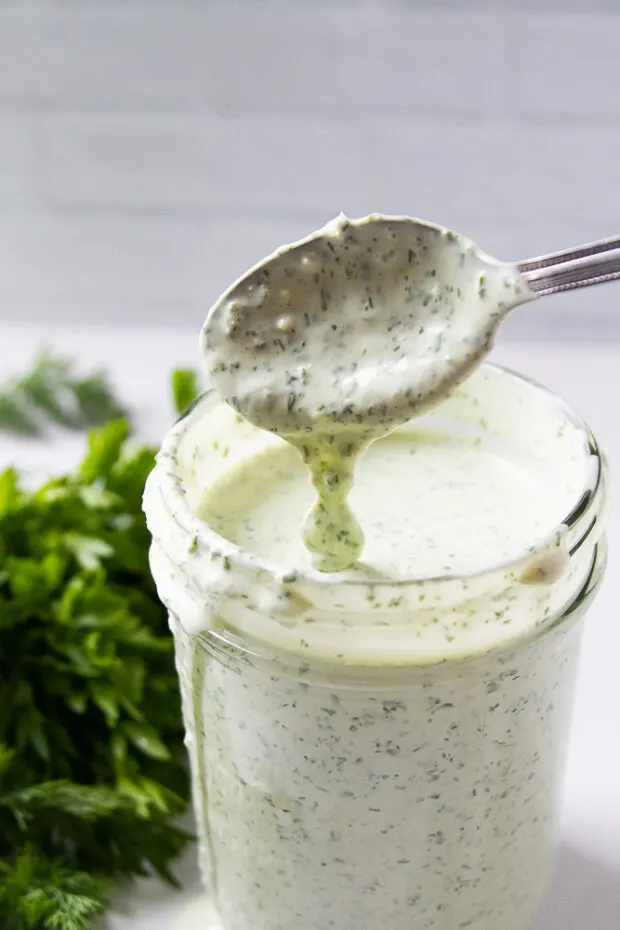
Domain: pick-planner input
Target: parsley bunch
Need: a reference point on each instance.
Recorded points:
(93, 773)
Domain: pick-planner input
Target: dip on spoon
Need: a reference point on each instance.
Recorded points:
(336, 340)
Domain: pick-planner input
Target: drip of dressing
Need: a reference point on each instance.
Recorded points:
(336, 340)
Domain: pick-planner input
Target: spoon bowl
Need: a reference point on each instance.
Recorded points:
(366, 321)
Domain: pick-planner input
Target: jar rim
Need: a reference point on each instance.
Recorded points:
(585, 519)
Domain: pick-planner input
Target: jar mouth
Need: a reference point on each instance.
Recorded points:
(584, 521)
(213, 584)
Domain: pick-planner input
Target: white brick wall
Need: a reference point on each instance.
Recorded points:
(569, 67)
(18, 162)
(150, 151)
(99, 54)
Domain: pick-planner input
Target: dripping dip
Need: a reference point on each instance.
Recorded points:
(335, 341)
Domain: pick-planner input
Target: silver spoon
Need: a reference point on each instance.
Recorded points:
(583, 266)
(334, 341)
(376, 318)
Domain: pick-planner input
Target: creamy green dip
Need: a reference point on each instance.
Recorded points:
(419, 494)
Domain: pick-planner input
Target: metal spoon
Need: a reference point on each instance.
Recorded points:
(583, 266)
(372, 321)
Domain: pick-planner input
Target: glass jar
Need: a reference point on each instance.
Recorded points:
(378, 753)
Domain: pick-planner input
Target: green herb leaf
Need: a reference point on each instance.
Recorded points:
(53, 393)
(185, 388)
(104, 448)
(36, 892)
(145, 739)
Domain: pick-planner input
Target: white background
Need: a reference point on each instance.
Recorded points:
(151, 150)
(586, 895)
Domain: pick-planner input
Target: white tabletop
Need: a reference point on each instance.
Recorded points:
(586, 893)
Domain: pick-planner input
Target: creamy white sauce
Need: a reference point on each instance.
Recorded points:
(334, 341)
(419, 495)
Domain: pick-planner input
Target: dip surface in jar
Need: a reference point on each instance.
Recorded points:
(431, 504)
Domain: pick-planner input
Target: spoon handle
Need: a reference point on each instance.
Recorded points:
(593, 263)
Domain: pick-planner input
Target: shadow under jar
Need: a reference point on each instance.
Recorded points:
(379, 752)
